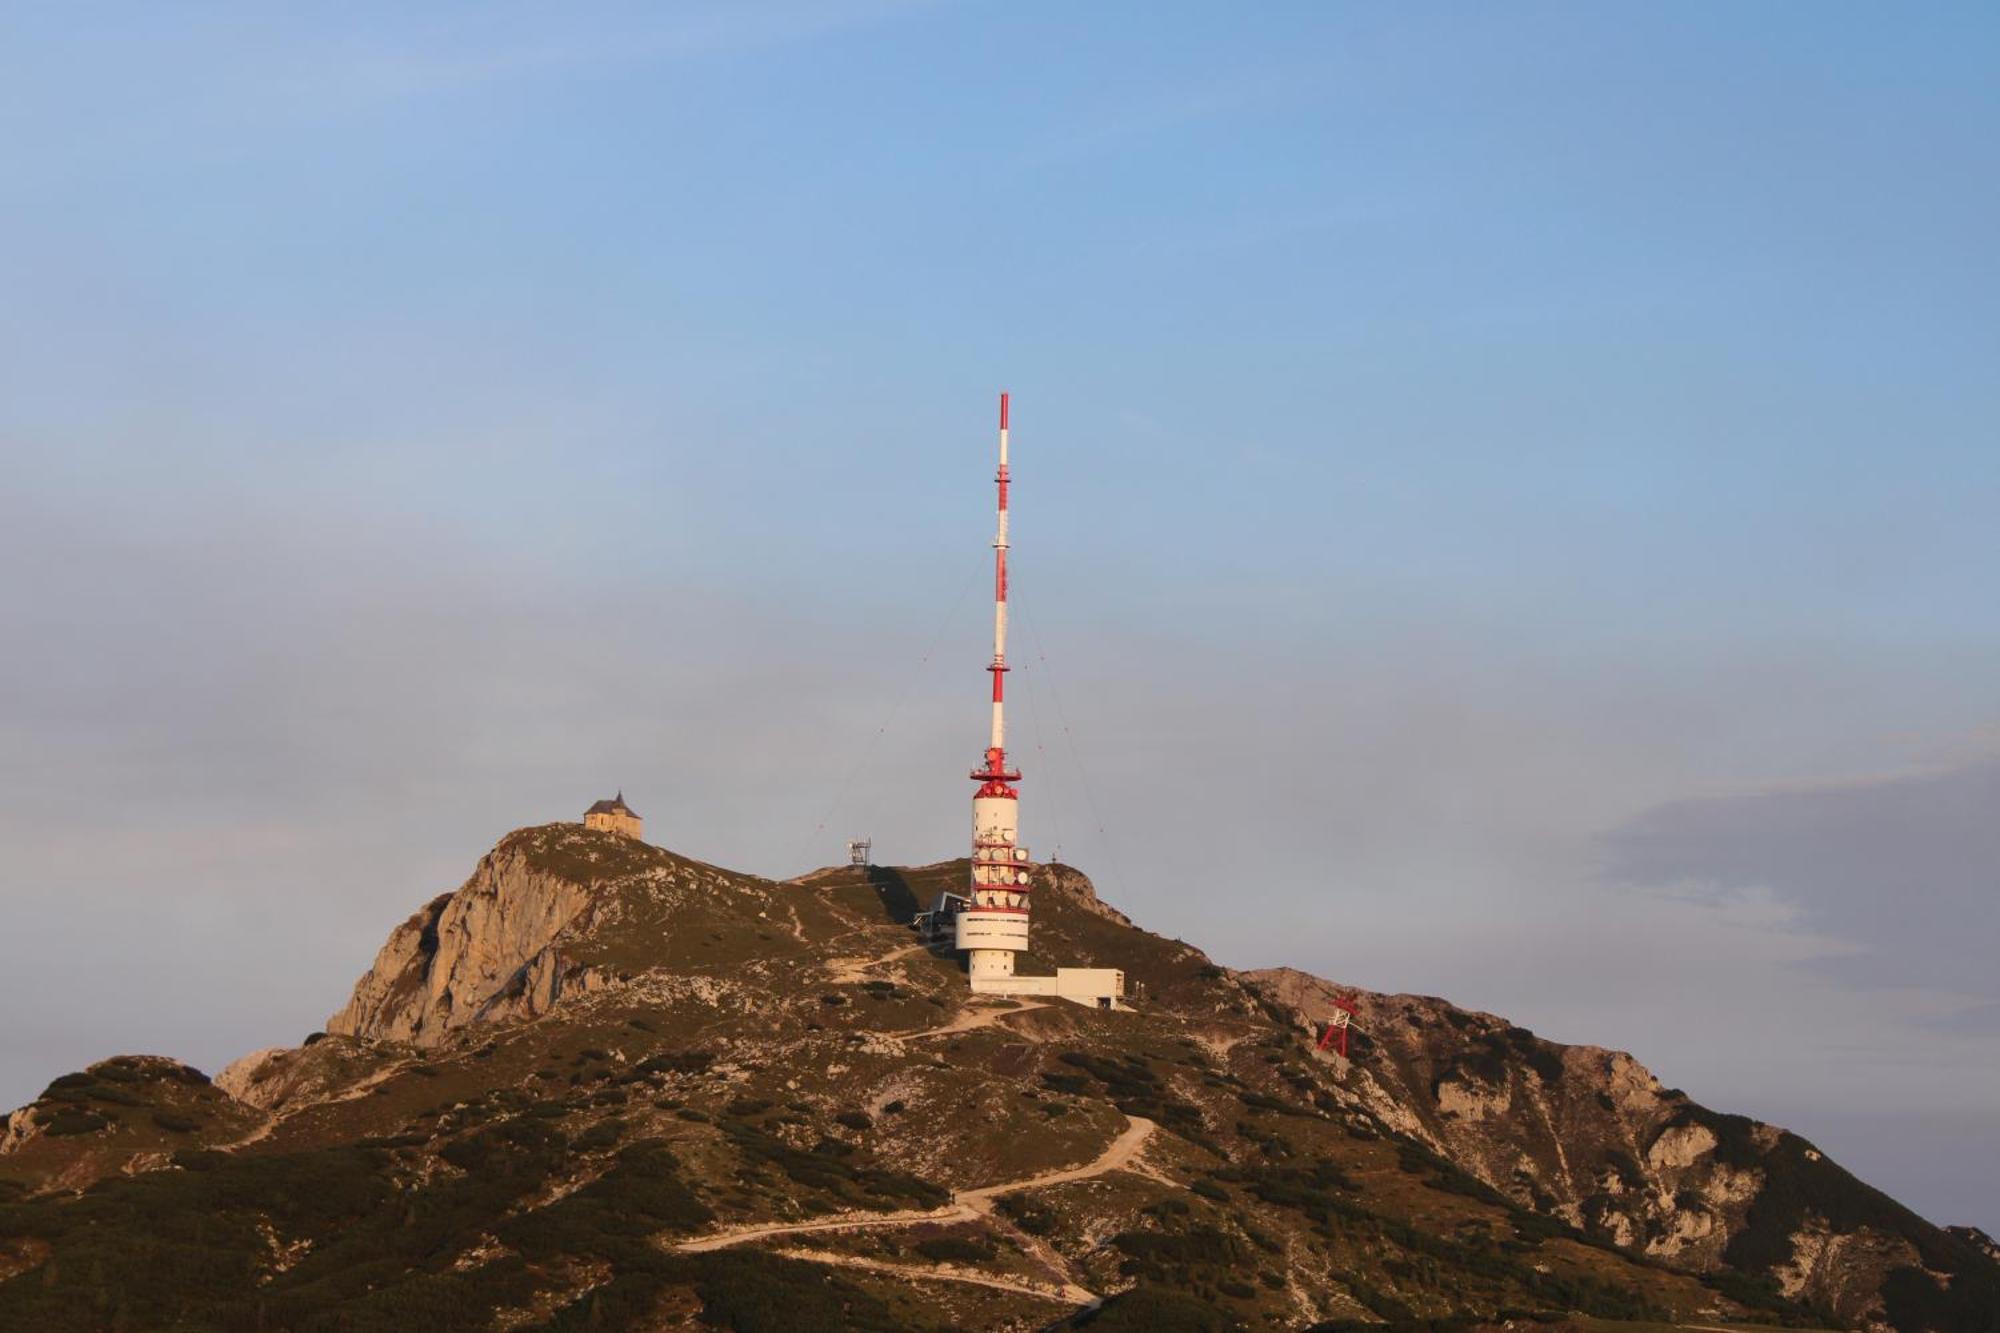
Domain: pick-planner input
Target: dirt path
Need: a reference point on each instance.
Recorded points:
(1067, 1292)
(1114, 1158)
(969, 1019)
(798, 927)
(966, 1205)
(848, 971)
(722, 1240)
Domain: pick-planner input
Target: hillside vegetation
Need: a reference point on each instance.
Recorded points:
(603, 1086)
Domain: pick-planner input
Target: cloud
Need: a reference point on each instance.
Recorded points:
(1906, 868)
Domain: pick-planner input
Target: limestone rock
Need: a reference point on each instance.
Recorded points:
(490, 950)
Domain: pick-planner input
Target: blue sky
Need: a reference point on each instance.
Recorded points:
(1523, 478)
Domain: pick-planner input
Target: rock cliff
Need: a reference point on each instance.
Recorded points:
(488, 952)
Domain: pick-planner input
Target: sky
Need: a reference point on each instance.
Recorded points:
(1505, 498)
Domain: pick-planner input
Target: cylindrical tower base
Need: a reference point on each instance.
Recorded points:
(990, 964)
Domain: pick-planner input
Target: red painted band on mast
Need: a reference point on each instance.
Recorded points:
(1003, 411)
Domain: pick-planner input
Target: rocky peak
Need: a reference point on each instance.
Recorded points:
(502, 945)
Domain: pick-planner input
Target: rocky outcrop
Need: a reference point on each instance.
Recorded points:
(1077, 886)
(491, 950)
(1581, 1132)
(127, 1114)
(1590, 1136)
(17, 1129)
(1978, 1240)
(283, 1078)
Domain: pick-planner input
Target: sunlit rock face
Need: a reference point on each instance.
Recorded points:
(493, 949)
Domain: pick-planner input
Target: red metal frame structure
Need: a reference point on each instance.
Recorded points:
(1333, 1033)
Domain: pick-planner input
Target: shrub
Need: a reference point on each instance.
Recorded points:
(1176, 1258)
(954, 1249)
(603, 1134)
(1149, 1309)
(864, 1186)
(761, 1293)
(1914, 1299)
(69, 1120)
(1257, 1101)
(1025, 1213)
(677, 1062)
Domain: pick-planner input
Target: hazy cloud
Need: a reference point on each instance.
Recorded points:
(1907, 868)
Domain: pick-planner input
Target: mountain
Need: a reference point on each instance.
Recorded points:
(604, 1086)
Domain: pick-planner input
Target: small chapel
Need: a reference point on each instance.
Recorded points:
(613, 816)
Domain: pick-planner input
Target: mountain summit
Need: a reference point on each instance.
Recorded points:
(604, 1086)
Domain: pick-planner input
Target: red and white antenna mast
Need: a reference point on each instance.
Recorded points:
(995, 927)
(996, 753)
